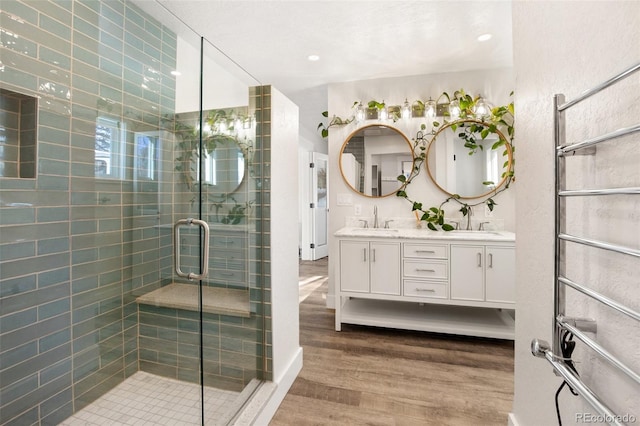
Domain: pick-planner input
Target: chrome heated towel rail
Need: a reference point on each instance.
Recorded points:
(581, 328)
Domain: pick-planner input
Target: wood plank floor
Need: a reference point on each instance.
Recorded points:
(373, 376)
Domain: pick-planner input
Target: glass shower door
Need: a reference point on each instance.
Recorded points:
(203, 325)
(233, 337)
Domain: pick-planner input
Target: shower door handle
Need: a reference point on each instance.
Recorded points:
(204, 261)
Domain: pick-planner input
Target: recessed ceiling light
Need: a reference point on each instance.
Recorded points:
(484, 37)
(176, 73)
(313, 58)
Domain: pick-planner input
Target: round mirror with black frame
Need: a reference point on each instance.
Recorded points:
(469, 158)
(372, 157)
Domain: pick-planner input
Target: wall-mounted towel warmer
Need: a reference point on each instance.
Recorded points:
(556, 353)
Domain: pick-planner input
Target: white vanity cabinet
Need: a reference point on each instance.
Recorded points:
(482, 273)
(370, 267)
(453, 283)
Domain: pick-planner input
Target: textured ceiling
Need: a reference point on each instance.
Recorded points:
(356, 40)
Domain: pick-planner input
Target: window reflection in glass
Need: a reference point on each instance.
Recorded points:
(109, 148)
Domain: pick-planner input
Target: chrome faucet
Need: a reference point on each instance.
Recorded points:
(375, 216)
(469, 214)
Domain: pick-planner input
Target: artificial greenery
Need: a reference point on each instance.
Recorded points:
(335, 121)
(339, 121)
(500, 122)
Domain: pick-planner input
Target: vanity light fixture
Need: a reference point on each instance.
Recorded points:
(482, 108)
(406, 110)
(383, 115)
(361, 114)
(450, 109)
(454, 109)
(430, 108)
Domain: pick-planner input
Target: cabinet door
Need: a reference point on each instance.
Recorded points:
(354, 266)
(500, 274)
(385, 268)
(467, 272)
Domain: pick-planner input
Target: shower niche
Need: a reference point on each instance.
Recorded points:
(18, 134)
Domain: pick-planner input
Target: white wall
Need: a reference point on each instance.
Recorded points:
(567, 47)
(287, 353)
(225, 84)
(495, 85)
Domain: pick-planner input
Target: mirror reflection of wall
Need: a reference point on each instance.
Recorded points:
(454, 170)
(372, 158)
(354, 160)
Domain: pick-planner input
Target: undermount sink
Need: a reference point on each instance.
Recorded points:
(472, 233)
(374, 231)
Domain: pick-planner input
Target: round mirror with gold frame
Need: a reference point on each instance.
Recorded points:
(372, 158)
(224, 166)
(470, 158)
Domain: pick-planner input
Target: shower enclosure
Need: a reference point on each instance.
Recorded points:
(132, 193)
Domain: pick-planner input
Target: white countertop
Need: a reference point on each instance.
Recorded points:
(426, 234)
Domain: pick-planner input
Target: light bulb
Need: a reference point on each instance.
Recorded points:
(384, 113)
(482, 108)
(360, 113)
(454, 109)
(406, 110)
(430, 108)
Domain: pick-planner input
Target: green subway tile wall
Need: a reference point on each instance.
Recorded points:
(82, 235)
(62, 235)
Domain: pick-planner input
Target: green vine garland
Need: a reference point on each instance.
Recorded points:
(499, 122)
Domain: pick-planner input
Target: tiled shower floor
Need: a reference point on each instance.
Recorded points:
(146, 399)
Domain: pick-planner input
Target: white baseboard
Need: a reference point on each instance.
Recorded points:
(270, 406)
(512, 420)
(331, 301)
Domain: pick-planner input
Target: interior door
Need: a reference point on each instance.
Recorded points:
(319, 206)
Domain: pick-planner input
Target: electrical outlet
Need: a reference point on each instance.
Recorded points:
(487, 211)
(357, 209)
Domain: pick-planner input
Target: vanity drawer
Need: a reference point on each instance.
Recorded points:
(227, 242)
(228, 254)
(415, 288)
(426, 269)
(227, 275)
(426, 251)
